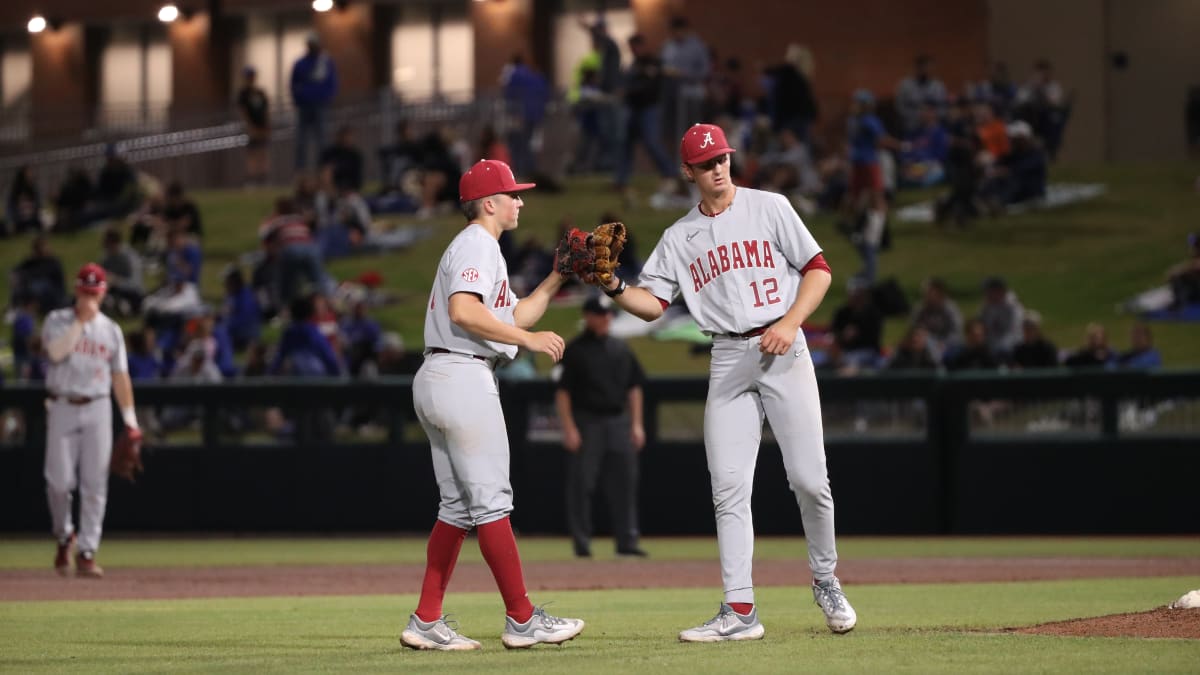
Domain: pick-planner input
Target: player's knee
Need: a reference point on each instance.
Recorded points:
(730, 495)
(811, 487)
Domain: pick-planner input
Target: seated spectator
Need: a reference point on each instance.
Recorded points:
(1043, 103)
(292, 266)
(24, 329)
(1001, 314)
(790, 169)
(399, 165)
(1184, 278)
(1142, 352)
(71, 202)
(344, 160)
(144, 364)
(858, 326)
(964, 173)
(992, 131)
(116, 194)
(1034, 350)
(24, 210)
(362, 338)
(1000, 91)
(125, 284)
(180, 212)
(1021, 175)
(303, 351)
(195, 367)
(923, 157)
(917, 89)
(39, 277)
(148, 230)
(183, 258)
(167, 307)
(256, 361)
(241, 312)
(1095, 351)
(326, 320)
(913, 352)
(939, 316)
(974, 354)
(394, 359)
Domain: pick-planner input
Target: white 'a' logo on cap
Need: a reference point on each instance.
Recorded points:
(707, 140)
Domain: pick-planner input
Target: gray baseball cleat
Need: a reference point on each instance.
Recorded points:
(839, 615)
(540, 628)
(726, 625)
(435, 635)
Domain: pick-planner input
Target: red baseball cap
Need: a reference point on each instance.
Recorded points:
(91, 279)
(703, 142)
(488, 177)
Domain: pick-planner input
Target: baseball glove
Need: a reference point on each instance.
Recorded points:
(127, 455)
(591, 256)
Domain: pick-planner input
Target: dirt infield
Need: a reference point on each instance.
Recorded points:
(299, 580)
(1157, 623)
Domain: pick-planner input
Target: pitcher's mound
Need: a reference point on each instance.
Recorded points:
(1157, 623)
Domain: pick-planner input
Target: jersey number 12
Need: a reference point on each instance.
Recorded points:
(770, 290)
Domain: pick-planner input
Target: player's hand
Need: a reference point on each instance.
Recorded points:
(778, 339)
(546, 342)
(637, 436)
(571, 439)
(87, 308)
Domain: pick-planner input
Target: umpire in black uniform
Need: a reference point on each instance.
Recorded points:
(599, 401)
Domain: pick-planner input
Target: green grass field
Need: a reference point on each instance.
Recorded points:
(1072, 264)
(910, 628)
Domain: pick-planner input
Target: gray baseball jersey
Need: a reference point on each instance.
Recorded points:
(87, 370)
(473, 264)
(739, 271)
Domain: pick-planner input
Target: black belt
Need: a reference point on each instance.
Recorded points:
(443, 350)
(753, 332)
(74, 400)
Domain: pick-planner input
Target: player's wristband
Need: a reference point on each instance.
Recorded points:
(621, 286)
(130, 417)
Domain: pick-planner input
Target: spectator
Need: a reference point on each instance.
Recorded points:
(790, 100)
(992, 131)
(254, 108)
(1001, 91)
(344, 160)
(397, 158)
(256, 361)
(526, 91)
(858, 326)
(865, 135)
(790, 169)
(1021, 175)
(963, 170)
(599, 404)
(1095, 351)
(643, 92)
(439, 173)
(195, 367)
(295, 266)
(1184, 278)
(241, 312)
(39, 277)
(913, 352)
(72, 199)
(589, 107)
(923, 158)
(1034, 350)
(394, 359)
(1043, 104)
(491, 147)
(608, 80)
(974, 354)
(24, 329)
(303, 350)
(183, 258)
(24, 202)
(180, 212)
(144, 364)
(939, 316)
(919, 88)
(148, 229)
(125, 284)
(1142, 352)
(35, 367)
(1001, 315)
(314, 85)
(362, 337)
(117, 193)
(686, 67)
(725, 89)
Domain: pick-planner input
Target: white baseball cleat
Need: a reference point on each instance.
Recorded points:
(839, 615)
(438, 635)
(726, 625)
(541, 628)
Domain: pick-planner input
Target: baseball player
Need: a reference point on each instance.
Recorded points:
(472, 322)
(87, 358)
(751, 274)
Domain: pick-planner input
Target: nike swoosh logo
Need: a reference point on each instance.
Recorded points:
(692, 235)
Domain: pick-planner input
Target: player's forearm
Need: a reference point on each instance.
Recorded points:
(123, 390)
(635, 406)
(530, 309)
(473, 317)
(562, 403)
(812, 291)
(639, 302)
(60, 347)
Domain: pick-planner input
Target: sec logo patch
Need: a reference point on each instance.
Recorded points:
(470, 275)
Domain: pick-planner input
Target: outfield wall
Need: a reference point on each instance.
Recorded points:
(1050, 453)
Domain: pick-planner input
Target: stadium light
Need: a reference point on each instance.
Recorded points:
(168, 13)
(36, 24)
(322, 5)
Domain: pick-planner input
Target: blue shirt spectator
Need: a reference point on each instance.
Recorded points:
(242, 315)
(863, 133)
(314, 77)
(183, 258)
(1142, 352)
(143, 363)
(306, 352)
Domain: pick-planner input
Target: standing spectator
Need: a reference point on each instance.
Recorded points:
(24, 202)
(116, 194)
(1142, 352)
(913, 352)
(71, 202)
(345, 161)
(686, 66)
(254, 108)
(919, 88)
(791, 103)
(643, 92)
(939, 316)
(865, 135)
(314, 85)
(180, 212)
(1095, 352)
(125, 283)
(39, 277)
(527, 91)
(1034, 350)
(858, 326)
(963, 170)
(599, 402)
(241, 312)
(1001, 314)
(608, 80)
